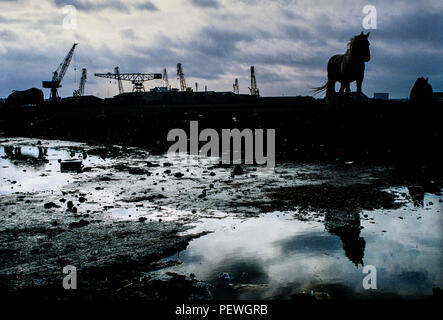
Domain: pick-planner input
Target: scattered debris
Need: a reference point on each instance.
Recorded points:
(71, 165)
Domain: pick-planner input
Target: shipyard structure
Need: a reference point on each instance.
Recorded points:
(164, 94)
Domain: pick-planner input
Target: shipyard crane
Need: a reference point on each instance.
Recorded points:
(181, 78)
(235, 86)
(253, 89)
(137, 79)
(119, 81)
(57, 76)
(165, 79)
(81, 89)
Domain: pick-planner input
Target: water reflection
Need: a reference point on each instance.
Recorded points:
(347, 227)
(36, 156)
(275, 256)
(35, 168)
(417, 194)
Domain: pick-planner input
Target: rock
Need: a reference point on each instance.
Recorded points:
(81, 223)
(142, 219)
(311, 295)
(248, 286)
(238, 170)
(224, 276)
(82, 199)
(71, 165)
(203, 194)
(50, 205)
(139, 171)
(178, 174)
(150, 164)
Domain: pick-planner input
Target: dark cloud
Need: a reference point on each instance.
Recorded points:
(90, 5)
(8, 35)
(413, 28)
(146, 5)
(206, 3)
(128, 34)
(217, 42)
(9, 20)
(117, 5)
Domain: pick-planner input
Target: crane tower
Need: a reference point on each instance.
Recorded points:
(119, 81)
(181, 77)
(165, 79)
(235, 87)
(81, 89)
(253, 89)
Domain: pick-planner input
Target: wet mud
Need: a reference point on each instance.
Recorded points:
(140, 226)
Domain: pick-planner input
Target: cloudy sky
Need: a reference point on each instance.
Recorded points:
(288, 41)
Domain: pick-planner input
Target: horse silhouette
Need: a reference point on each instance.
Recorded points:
(421, 92)
(348, 67)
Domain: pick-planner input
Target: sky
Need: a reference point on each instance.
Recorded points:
(288, 41)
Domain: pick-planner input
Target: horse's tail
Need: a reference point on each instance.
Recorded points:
(316, 90)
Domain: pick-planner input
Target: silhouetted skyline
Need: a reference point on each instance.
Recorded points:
(289, 42)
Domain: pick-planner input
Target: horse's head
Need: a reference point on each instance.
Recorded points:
(359, 47)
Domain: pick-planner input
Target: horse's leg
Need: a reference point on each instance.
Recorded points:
(359, 82)
(342, 88)
(330, 88)
(348, 89)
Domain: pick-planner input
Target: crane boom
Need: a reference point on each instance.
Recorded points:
(130, 76)
(137, 79)
(65, 64)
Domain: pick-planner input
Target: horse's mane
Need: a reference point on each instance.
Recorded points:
(350, 44)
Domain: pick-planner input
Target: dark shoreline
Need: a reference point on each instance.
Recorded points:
(370, 131)
(400, 134)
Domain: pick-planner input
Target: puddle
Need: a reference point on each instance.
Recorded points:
(267, 256)
(27, 168)
(275, 256)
